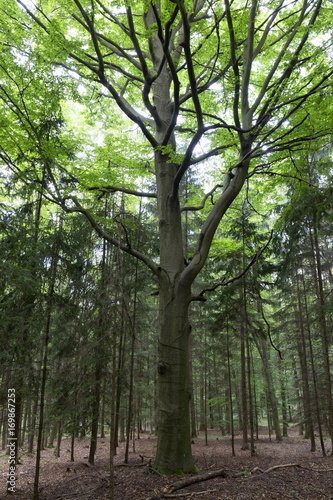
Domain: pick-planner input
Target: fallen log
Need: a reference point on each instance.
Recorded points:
(192, 480)
(193, 493)
(141, 464)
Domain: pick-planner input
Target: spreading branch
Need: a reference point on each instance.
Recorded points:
(114, 241)
(240, 275)
(200, 207)
(257, 171)
(114, 189)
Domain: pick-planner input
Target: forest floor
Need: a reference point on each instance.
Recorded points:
(304, 475)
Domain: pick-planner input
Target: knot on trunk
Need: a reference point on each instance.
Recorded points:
(162, 367)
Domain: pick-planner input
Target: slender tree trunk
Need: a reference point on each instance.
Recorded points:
(113, 438)
(52, 436)
(304, 369)
(314, 375)
(25, 420)
(122, 425)
(49, 305)
(323, 328)
(59, 430)
(255, 397)
(192, 405)
(122, 335)
(103, 408)
(245, 440)
(205, 388)
(32, 427)
(202, 400)
(230, 396)
(250, 396)
(283, 399)
(95, 412)
(131, 382)
(262, 348)
(99, 354)
(268, 416)
(219, 407)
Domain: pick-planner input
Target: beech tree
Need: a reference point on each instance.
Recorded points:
(231, 89)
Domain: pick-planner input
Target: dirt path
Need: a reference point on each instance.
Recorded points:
(306, 475)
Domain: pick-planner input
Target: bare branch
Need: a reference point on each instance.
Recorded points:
(234, 62)
(240, 275)
(33, 16)
(189, 63)
(114, 241)
(286, 176)
(114, 189)
(271, 17)
(247, 66)
(92, 32)
(233, 183)
(210, 194)
(144, 68)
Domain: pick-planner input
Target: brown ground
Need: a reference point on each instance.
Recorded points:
(312, 478)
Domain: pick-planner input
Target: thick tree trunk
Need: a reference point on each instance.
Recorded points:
(174, 432)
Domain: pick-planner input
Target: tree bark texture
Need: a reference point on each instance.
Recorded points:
(174, 432)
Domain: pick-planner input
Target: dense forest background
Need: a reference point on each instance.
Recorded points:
(79, 307)
(265, 336)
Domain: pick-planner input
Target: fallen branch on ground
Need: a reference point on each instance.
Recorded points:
(258, 469)
(187, 482)
(274, 467)
(132, 465)
(189, 494)
(192, 480)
